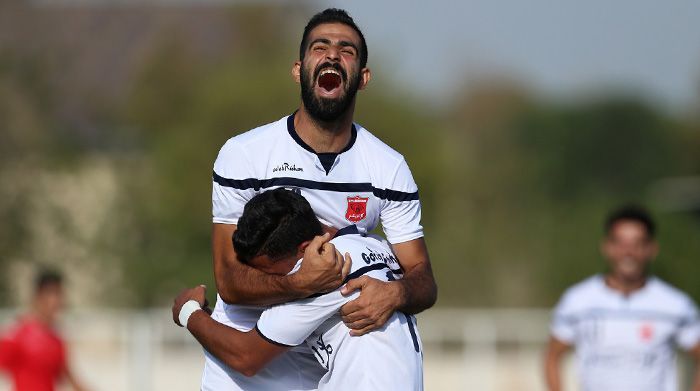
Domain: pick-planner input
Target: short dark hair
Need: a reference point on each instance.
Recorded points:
(631, 213)
(333, 15)
(274, 223)
(46, 278)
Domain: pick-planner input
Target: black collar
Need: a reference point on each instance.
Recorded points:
(293, 132)
(348, 230)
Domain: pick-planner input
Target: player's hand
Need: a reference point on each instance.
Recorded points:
(377, 302)
(198, 294)
(324, 268)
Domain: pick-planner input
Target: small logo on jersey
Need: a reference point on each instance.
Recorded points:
(287, 167)
(646, 332)
(326, 349)
(357, 208)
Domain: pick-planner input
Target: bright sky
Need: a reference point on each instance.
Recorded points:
(555, 47)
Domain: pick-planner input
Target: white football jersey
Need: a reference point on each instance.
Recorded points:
(386, 359)
(364, 184)
(626, 343)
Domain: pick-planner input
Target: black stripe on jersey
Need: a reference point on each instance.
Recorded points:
(364, 270)
(272, 341)
(360, 272)
(342, 187)
(413, 333)
(348, 230)
(605, 313)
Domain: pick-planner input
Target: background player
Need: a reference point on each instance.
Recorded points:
(624, 324)
(272, 235)
(31, 351)
(346, 174)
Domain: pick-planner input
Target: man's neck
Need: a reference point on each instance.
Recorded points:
(324, 137)
(41, 317)
(624, 286)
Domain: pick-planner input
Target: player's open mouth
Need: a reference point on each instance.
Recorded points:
(329, 79)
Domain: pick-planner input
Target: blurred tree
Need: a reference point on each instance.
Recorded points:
(106, 154)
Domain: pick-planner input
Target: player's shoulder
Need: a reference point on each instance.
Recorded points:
(373, 145)
(583, 291)
(671, 296)
(356, 240)
(347, 242)
(20, 327)
(260, 135)
(586, 286)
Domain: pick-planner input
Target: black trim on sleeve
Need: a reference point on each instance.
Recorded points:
(272, 341)
(341, 187)
(394, 195)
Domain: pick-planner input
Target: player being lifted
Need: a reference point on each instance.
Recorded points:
(272, 234)
(347, 175)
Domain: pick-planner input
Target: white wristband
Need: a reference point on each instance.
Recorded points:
(187, 310)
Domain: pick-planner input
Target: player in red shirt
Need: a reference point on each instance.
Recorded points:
(31, 351)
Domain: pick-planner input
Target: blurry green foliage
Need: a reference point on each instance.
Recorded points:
(514, 190)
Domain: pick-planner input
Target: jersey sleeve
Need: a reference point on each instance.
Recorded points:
(688, 335)
(233, 183)
(401, 211)
(563, 326)
(291, 323)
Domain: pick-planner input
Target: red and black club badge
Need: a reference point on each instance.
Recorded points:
(357, 208)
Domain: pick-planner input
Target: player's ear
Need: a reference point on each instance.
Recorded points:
(296, 71)
(302, 247)
(365, 77)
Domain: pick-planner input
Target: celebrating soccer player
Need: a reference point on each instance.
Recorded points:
(272, 235)
(348, 176)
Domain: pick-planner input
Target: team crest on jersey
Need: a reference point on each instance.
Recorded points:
(646, 332)
(357, 208)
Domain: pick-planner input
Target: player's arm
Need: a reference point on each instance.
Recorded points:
(552, 363)
(417, 288)
(322, 270)
(695, 353)
(246, 352)
(415, 292)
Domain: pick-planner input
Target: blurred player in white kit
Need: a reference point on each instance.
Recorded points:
(625, 324)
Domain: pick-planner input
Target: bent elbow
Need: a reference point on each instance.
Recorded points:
(228, 297)
(434, 295)
(250, 370)
(243, 366)
(226, 293)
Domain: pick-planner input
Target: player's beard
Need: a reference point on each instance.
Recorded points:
(324, 109)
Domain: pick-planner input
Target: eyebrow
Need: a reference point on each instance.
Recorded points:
(328, 42)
